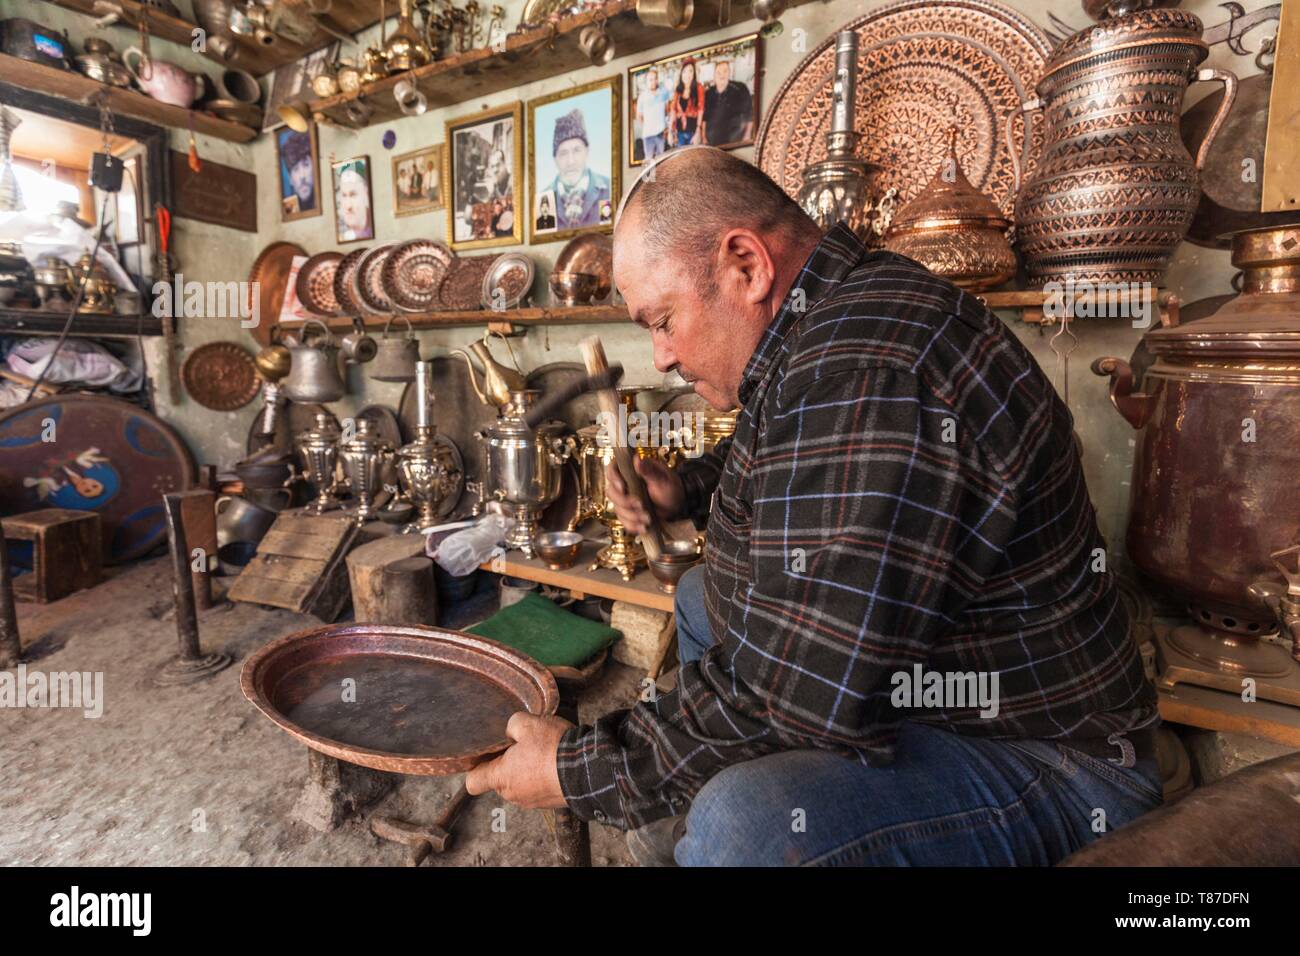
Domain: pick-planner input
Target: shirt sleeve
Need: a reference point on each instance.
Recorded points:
(700, 477)
(873, 521)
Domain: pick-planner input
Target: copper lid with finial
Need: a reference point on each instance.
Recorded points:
(949, 199)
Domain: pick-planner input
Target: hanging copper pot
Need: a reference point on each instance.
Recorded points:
(1114, 188)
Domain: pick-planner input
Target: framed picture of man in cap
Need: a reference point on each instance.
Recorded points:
(574, 161)
(299, 169)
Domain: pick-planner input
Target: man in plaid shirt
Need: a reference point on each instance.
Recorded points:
(903, 645)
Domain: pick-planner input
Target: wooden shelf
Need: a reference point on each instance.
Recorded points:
(345, 16)
(1031, 302)
(557, 315)
(50, 322)
(535, 53)
(642, 590)
(72, 86)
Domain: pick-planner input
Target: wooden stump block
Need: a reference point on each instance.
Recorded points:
(335, 790)
(392, 582)
(645, 632)
(66, 552)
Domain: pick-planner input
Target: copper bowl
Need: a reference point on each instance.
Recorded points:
(574, 288)
(676, 558)
(559, 549)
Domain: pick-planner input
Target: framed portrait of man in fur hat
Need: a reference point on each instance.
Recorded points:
(574, 161)
(299, 170)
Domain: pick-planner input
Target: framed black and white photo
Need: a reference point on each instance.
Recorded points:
(574, 161)
(354, 213)
(485, 176)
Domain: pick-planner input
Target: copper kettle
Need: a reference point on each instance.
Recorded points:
(498, 380)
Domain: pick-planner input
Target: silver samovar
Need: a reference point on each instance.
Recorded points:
(319, 449)
(842, 186)
(363, 463)
(428, 469)
(523, 467)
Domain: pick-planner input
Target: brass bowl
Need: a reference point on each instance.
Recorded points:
(676, 559)
(574, 288)
(559, 549)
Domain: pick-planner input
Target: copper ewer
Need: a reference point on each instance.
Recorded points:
(1114, 189)
(1218, 452)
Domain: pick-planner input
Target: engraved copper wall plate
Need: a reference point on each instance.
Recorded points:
(462, 289)
(270, 277)
(368, 282)
(315, 286)
(221, 376)
(510, 278)
(413, 274)
(923, 66)
(429, 701)
(344, 276)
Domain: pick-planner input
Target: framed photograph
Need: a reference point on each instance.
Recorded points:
(292, 82)
(354, 211)
(574, 160)
(299, 168)
(418, 179)
(485, 176)
(707, 96)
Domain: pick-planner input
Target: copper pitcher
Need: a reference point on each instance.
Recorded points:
(498, 380)
(1114, 189)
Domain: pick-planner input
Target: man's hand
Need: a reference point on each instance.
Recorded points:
(525, 774)
(664, 485)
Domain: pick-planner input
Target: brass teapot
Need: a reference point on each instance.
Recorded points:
(498, 380)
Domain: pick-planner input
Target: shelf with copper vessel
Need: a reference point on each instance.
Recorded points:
(532, 54)
(1030, 303)
(549, 315)
(76, 88)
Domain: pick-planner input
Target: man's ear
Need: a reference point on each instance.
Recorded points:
(747, 257)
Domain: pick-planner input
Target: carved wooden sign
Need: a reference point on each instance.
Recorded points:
(221, 195)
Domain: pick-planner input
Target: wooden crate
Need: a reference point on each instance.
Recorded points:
(300, 565)
(67, 555)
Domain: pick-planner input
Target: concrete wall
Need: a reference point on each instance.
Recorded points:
(208, 252)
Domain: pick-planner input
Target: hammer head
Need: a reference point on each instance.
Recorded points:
(550, 404)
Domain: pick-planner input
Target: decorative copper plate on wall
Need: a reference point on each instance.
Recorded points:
(316, 284)
(369, 282)
(923, 65)
(270, 272)
(344, 281)
(462, 289)
(413, 274)
(221, 376)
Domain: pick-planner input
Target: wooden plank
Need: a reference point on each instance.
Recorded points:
(76, 88)
(642, 590)
(557, 315)
(266, 591)
(295, 545)
(50, 322)
(1228, 713)
(289, 570)
(297, 522)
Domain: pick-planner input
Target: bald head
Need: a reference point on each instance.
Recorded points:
(683, 206)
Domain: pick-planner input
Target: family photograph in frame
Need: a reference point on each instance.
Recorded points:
(418, 181)
(299, 167)
(707, 96)
(574, 161)
(354, 208)
(485, 176)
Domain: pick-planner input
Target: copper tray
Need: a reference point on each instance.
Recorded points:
(428, 701)
(413, 274)
(221, 376)
(344, 276)
(462, 289)
(512, 275)
(368, 282)
(923, 65)
(316, 284)
(270, 272)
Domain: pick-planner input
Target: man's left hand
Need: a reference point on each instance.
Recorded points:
(525, 774)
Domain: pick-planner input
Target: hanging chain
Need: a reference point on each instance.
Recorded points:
(1063, 352)
(105, 122)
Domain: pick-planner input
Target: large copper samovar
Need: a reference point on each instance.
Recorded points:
(1114, 189)
(523, 467)
(1215, 468)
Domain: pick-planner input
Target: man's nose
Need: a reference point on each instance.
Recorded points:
(665, 358)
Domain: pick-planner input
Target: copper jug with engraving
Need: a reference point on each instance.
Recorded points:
(1213, 493)
(1114, 188)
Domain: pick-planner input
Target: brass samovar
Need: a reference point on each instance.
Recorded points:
(363, 459)
(318, 448)
(428, 470)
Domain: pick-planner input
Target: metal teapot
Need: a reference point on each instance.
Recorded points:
(498, 380)
(396, 357)
(314, 373)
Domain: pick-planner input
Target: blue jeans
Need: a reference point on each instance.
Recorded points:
(947, 800)
(653, 145)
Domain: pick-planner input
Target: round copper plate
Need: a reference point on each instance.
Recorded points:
(462, 289)
(428, 701)
(344, 281)
(507, 282)
(923, 66)
(221, 376)
(413, 273)
(368, 282)
(316, 284)
(270, 272)
(592, 254)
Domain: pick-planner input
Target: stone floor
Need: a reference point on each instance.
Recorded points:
(195, 775)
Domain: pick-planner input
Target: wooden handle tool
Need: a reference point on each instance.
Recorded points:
(593, 354)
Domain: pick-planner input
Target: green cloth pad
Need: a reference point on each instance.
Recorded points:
(548, 634)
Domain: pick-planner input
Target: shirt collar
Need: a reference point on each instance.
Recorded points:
(838, 252)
